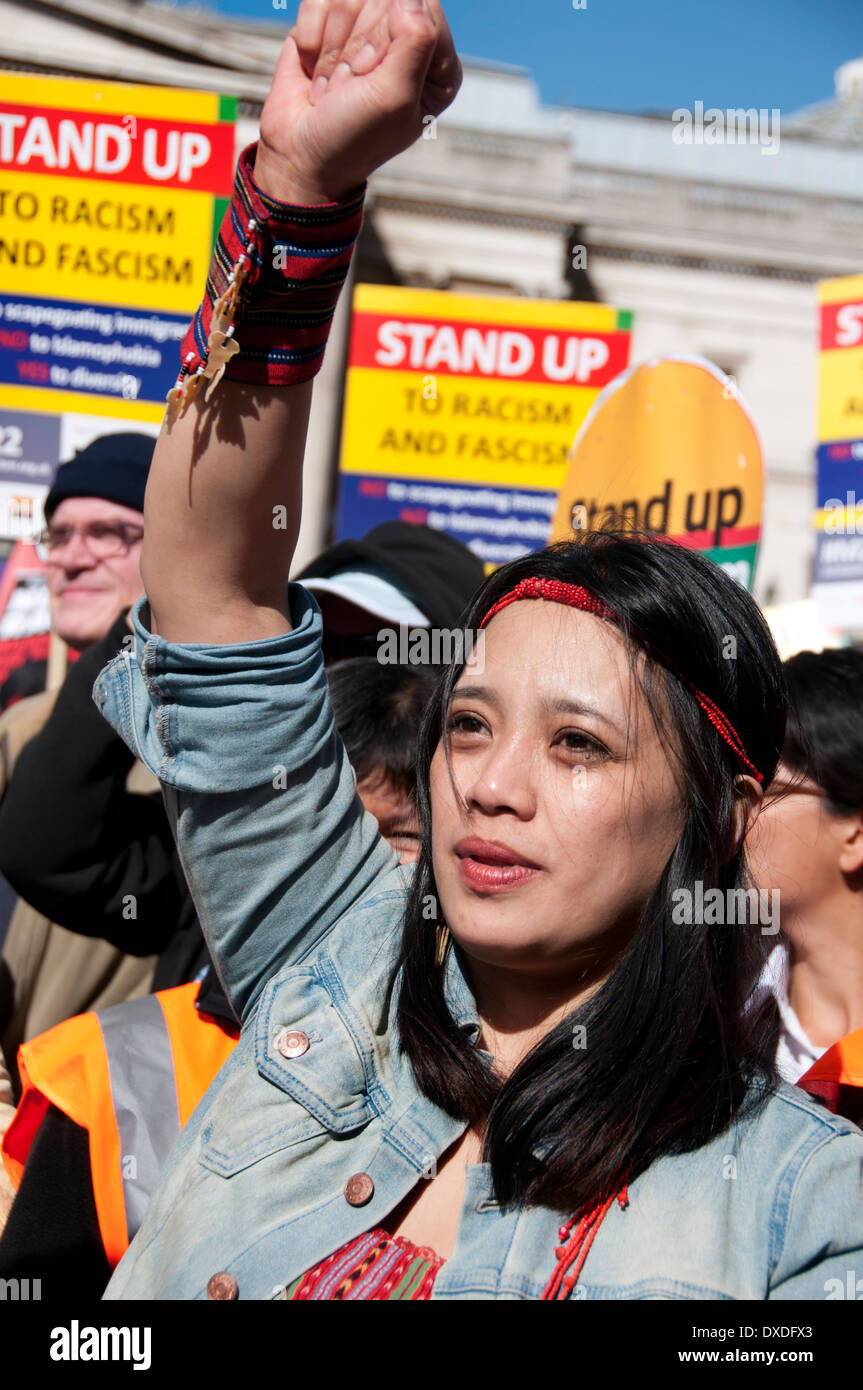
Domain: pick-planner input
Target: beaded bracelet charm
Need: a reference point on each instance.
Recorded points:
(279, 268)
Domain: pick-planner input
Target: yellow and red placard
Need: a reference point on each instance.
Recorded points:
(461, 410)
(669, 448)
(840, 393)
(110, 194)
(838, 573)
(110, 197)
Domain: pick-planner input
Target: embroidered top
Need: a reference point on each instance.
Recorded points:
(374, 1266)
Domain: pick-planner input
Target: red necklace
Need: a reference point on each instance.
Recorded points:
(575, 1246)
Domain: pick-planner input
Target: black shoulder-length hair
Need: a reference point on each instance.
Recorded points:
(377, 709)
(674, 1052)
(824, 734)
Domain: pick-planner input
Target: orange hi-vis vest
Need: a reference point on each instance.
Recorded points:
(131, 1076)
(837, 1077)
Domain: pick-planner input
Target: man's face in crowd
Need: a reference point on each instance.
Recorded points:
(396, 815)
(88, 591)
(349, 631)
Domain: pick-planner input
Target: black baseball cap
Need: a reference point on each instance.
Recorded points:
(435, 571)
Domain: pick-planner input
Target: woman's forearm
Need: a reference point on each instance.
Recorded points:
(222, 515)
(354, 86)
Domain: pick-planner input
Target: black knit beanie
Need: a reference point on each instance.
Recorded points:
(113, 467)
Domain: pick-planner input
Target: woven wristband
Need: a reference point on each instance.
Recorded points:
(274, 280)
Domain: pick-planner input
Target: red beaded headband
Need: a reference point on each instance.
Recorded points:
(574, 596)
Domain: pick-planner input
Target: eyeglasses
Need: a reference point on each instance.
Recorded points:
(777, 791)
(103, 539)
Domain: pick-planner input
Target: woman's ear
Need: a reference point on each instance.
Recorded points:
(851, 843)
(748, 796)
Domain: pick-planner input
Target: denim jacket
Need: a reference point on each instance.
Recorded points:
(301, 901)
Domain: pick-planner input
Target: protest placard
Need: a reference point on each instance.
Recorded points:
(109, 205)
(670, 448)
(461, 410)
(838, 574)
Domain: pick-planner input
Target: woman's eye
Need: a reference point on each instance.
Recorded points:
(464, 724)
(581, 746)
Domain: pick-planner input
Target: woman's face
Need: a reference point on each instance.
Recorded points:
(795, 845)
(569, 806)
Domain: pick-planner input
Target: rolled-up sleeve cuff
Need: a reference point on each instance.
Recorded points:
(215, 718)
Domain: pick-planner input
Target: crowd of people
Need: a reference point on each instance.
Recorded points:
(328, 977)
(103, 915)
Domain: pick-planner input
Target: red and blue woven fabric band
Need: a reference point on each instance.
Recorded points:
(297, 260)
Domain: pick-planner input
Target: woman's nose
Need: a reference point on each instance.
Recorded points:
(502, 779)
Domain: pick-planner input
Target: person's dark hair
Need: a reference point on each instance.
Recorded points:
(672, 1050)
(824, 735)
(378, 709)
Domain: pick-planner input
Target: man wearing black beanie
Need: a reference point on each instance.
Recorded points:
(73, 800)
(92, 542)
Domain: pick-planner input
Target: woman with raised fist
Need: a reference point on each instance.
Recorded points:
(507, 1072)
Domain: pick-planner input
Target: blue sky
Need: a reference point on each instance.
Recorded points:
(654, 55)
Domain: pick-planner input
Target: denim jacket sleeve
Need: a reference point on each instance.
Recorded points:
(273, 838)
(817, 1225)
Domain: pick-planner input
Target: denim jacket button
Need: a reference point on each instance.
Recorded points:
(222, 1286)
(359, 1189)
(292, 1044)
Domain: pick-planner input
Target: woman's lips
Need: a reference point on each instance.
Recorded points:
(489, 865)
(493, 877)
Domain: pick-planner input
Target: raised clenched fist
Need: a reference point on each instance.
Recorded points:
(354, 81)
